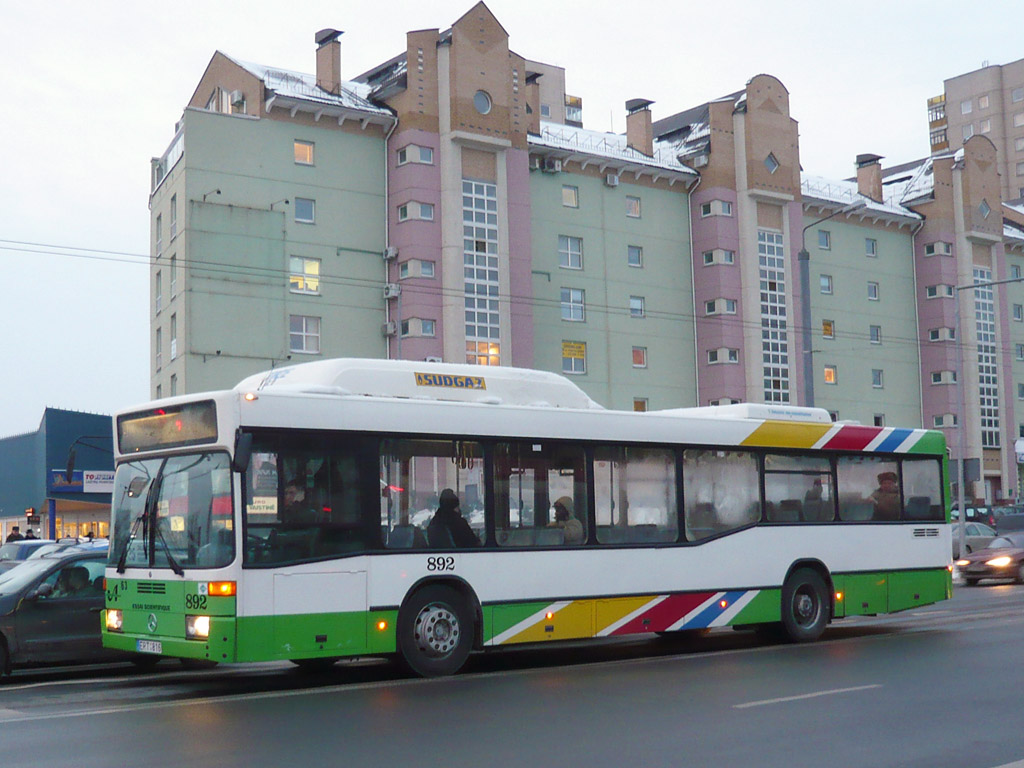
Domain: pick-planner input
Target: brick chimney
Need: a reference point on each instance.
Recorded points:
(533, 102)
(869, 176)
(639, 134)
(328, 60)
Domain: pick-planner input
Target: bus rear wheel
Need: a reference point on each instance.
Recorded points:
(805, 606)
(435, 631)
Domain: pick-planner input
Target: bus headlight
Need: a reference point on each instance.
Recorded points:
(197, 627)
(115, 620)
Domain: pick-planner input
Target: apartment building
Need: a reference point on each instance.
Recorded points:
(449, 204)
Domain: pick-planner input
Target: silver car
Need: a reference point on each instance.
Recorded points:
(977, 536)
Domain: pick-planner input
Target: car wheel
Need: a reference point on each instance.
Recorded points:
(805, 606)
(435, 631)
(1020, 573)
(971, 582)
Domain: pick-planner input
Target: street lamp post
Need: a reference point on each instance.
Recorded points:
(804, 263)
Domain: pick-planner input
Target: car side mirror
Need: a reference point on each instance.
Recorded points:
(43, 590)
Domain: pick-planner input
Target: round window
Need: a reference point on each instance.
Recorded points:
(482, 102)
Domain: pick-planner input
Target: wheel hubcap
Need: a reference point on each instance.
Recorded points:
(437, 631)
(805, 608)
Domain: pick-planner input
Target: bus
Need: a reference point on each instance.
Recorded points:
(350, 507)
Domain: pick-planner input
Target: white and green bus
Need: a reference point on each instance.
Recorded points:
(365, 507)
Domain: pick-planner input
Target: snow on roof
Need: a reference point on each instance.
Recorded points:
(610, 145)
(300, 85)
(845, 193)
(409, 379)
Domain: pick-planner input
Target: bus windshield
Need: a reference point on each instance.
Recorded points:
(176, 511)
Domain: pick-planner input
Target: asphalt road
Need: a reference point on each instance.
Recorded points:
(939, 686)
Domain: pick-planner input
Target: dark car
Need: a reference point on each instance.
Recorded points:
(50, 610)
(1010, 522)
(976, 515)
(1003, 558)
(14, 552)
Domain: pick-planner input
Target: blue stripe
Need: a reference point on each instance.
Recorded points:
(892, 442)
(713, 611)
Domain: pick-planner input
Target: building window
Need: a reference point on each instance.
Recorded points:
(545, 110)
(640, 404)
(426, 268)
(174, 275)
(304, 275)
(987, 357)
(828, 329)
(938, 291)
(876, 378)
(1018, 312)
(1018, 120)
(1015, 271)
(482, 102)
(870, 247)
(570, 196)
(985, 126)
(160, 391)
(160, 235)
(158, 344)
(1018, 145)
(824, 239)
(984, 209)
(944, 420)
(1017, 95)
(480, 271)
(1020, 169)
(968, 131)
(304, 334)
(415, 268)
(570, 252)
(940, 248)
(639, 357)
(834, 415)
(416, 211)
(633, 207)
(634, 255)
(303, 152)
(719, 256)
(879, 420)
(305, 210)
(720, 307)
(965, 107)
(573, 308)
(716, 208)
(174, 384)
(771, 163)
(574, 357)
(875, 334)
(174, 336)
(1020, 391)
(723, 355)
(872, 291)
(174, 216)
(983, 102)
(941, 334)
(418, 327)
(413, 153)
(826, 284)
(830, 374)
(1020, 351)
(158, 291)
(636, 306)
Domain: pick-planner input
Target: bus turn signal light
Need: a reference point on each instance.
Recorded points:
(839, 596)
(222, 588)
(382, 625)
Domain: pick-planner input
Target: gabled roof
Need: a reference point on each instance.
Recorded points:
(690, 130)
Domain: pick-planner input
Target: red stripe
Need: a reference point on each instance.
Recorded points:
(664, 614)
(852, 438)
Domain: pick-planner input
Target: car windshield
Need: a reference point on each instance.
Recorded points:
(17, 578)
(9, 551)
(191, 503)
(1001, 542)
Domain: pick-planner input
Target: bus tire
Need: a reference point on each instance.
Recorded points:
(144, 662)
(435, 631)
(805, 606)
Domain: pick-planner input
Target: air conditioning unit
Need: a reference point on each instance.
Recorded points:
(612, 179)
(390, 253)
(389, 329)
(392, 291)
(552, 165)
(432, 359)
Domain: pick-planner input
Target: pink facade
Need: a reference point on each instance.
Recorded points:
(520, 259)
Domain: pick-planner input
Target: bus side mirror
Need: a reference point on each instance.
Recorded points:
(243, 451)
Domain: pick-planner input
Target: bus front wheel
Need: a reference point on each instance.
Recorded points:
(435, 631)
(805, 606)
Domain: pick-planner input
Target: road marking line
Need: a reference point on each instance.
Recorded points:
(805, 696)
(5, 713)
(1017, 764)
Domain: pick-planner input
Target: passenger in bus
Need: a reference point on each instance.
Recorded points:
(448, 527)
(295, 509)
(565, 520)
(886, 497)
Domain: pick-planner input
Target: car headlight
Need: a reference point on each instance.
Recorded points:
(963, 562)
(115, 620)
(197, 627)
(999, 562)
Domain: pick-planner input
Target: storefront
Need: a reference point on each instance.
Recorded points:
(35, 491)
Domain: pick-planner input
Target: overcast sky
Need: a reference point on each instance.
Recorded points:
(92, 92)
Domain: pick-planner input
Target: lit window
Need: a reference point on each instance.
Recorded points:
(876, 378)
(639, 357)
(828, 329)
(570, 196)
(633, 207)
(640, 404)
(824, 239)
(304, 334)
(570, 252)
(304, 276)
(303, 152)
(870, 246)
(826, 284)
(636, 306)
(573, 305)
(305, 210)
(873, 291)
(574, 357)
(830, 374)
(634, 255)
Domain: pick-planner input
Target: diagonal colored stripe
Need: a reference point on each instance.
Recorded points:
(893, 441)
(706, 617)
(786, 434)
(628, 609)
(852, 438)
(684, 622)
(663, 615)
(734, 608)
(527, 623)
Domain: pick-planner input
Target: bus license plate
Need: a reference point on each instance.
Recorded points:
(149, 646)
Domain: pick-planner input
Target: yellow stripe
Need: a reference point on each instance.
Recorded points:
(575, 620)
(785, 434)
(612, 609)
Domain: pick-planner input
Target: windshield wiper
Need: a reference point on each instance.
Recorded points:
(123, 559)
(167, 551)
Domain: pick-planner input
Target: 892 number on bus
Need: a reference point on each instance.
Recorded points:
(195, 602)
(440, 563)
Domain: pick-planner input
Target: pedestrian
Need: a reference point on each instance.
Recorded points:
(30, 535)
(15, 534)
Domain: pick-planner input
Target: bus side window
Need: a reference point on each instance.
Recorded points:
(721, 490)
(635, 490)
